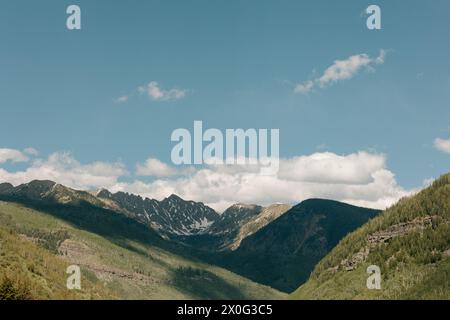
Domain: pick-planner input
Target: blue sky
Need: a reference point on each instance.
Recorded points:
(239, 62)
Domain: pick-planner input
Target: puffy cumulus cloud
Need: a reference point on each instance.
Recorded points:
(359, 178)
(156, 93)
(342, 70)
(440, 144)
(62, 168)
(153, 167)
(14, 155)
(156, 168)
(327, 167)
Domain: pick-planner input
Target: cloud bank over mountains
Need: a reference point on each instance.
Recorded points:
(360, 178)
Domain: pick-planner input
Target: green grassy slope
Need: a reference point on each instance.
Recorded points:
(28, 271)
(118, 261)
(410, 242)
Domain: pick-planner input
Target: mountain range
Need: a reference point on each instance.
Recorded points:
(172, 218)
(276, 246)
(169, 217)
(44, 227)
(125, 242)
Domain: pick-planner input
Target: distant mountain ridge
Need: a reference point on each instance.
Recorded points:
(235, 224)
(234, 216)
(172, 216)
(45, 190)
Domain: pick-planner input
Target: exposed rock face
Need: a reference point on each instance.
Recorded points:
(384, 237)
(80, 254)
(400, 229)
(233, 218)
(104, 194)
(235, 224)
(446, 253)
(266, 216)
(172, 216)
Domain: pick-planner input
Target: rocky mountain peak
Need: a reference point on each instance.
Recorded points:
(242, 209)
(233, 218)
(104, 194)
(173, 198)
(171, 216)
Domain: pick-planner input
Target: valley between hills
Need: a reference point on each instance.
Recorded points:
(129, 247)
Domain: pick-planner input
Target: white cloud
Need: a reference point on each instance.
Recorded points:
(381, 57)
(156, 93)
(12, 155)
(327, 167)
(121, 99)
(359, 178)
(305, 87)
(442, 145)
(64, 169)
(153, 167)
(342, 70)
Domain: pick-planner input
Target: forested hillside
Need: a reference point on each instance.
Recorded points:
(410, 242)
